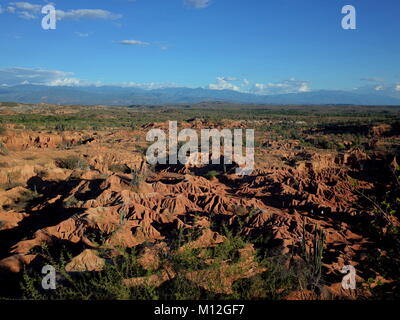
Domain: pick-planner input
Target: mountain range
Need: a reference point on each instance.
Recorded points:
(114, 95)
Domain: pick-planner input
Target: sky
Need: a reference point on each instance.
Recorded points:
(258, 46)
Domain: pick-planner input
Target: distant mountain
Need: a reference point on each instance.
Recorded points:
(113, 95)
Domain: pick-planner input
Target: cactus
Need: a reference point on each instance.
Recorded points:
(313, 254)
(122, 217)
(136, 179)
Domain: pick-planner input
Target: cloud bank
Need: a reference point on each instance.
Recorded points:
(244, 85)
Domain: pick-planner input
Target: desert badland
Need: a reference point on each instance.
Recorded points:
(77, 193)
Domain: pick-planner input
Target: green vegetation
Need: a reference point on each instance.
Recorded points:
(105, 285)
(286, 121)
(13, 180)
(275, 279)
(24, 199)
(212, 174)
(70, 202)
(119, 168)
(3, 150)
(72, 163)
(136, 180)
(312, 256)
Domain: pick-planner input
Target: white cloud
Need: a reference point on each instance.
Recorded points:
(287, 86)
(304, 88)
(26, 15)
(10, 9)
(1, 9)
(17, 76)
(398, 87)
(224, 83)
(26, 6)
(82, 35)
(27, 10)
(87, 14)
(372, 79)
(379, 88)
(134, 43)
(198, 4)
(66, 82)
(148, 86)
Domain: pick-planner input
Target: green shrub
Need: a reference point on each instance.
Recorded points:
(12, 180)
(70, 202)
(104, 285)
(60, 127)
(72, 163)
(136, 180)
(312, 256)
(3, 150)
(211, 174)
(2, 130)
(23, 201)
(119, 168)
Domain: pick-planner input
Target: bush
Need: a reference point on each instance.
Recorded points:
(323, 143)
(23, 201)
(3, 150)
(275, 282)
(12, 180)
(211, 174)
(136, 180)
(105, 285)
(72, 163)
(2, 130)
(119, 168)
(59, 127)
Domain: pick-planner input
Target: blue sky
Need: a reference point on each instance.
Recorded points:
(261, 46)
